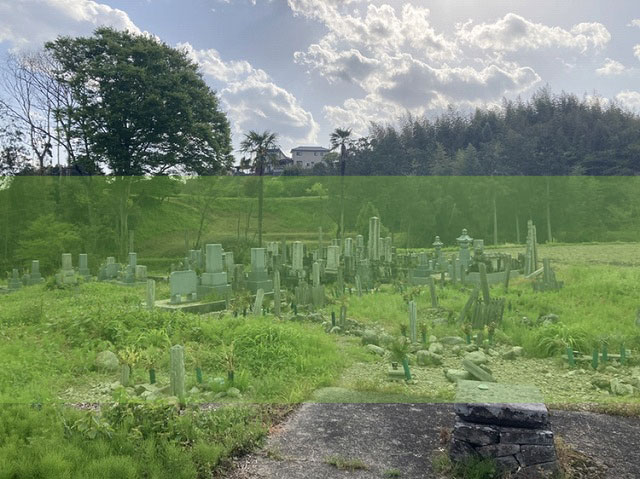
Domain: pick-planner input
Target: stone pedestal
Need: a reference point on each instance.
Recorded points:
(515, 435)
(35, 277)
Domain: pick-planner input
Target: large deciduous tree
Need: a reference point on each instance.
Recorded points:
(139, 108)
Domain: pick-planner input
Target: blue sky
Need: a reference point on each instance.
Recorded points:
(304, 67)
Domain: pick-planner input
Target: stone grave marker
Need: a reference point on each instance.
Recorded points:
(34, 276)
(276, 293)
(183, 286)
(213, 282)
(66, 275)
(297, 257)
(83, 266)
(258, 277)
(14, 281)
(373, 245)
(333, 259)
(177, 372)
(151, 294)
(413, 329)
(257, 306)
(464, 241)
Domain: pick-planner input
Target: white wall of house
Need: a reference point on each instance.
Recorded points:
(307, 158)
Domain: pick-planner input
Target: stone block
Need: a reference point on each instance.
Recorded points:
(476, 435)
(539, 437)
(515, 415)
(530, 455)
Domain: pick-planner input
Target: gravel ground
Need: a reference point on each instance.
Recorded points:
(405, 437)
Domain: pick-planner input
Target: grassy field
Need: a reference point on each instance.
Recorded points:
(49, 340)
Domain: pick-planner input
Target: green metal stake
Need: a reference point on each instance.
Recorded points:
(468, 336)
(424, 337)
(605, 353)
(295, 309)
(199, 375)
(405, 366)
(152, 376)
(623, 355)
(594, 360)
(333, 318)
(571, 357)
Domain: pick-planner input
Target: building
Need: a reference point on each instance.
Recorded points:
(308, 156)
(279, 163)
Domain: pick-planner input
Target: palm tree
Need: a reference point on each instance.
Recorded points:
(342, 139)
(259, 148)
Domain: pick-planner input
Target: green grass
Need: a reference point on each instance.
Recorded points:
(346, 463)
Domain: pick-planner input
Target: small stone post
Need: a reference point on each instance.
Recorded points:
(276, 293)
(151, 294)
(484, 283)
(257, 307)
(432, 291)
(413, 333)
(177, 371)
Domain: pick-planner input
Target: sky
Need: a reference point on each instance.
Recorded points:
(302, 68)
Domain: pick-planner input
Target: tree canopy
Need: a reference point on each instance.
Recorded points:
(139, 106)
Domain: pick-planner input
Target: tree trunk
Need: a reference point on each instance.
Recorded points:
(260, 202)
(549, 236)
(342, 171)
(495, 221)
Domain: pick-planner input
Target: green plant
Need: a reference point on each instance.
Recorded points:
(399, 348)
(345, 464)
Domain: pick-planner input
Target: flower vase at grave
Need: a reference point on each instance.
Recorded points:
(405, 366)
(468, 337)
(623, 355)
(152, 376)
(333, 319)
(424, 338)
(199, 375)
(570, 357)
(594, 359)
(605, 353)
(230, 376)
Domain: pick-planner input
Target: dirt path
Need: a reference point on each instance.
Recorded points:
(401, 439)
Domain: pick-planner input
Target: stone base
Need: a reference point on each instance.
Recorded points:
(492, 278)
(217, 292)
(254, 286)
(515, 436)
(195, 307)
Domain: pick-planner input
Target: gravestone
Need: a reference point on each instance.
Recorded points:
(373, 244)
(531, 254)
(360, 252)
(257, 305)
(14, 280)
(34, 276)
(66, 275)
(348, 247)
(506, 423)
(548, 282)
(177, 372)
(83, 266)
(213, 282)
(387, 250)
(333, 259)
(183, 287)
(297, 257)
(258, 277)
(440, 262)
(109, 270)
(422, 272)
(464, 241)
(276, 293)
(151, 294)
(413, 317)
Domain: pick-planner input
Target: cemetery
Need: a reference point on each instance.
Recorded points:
(510, 334)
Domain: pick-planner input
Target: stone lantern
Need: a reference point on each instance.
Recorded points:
(464, 241)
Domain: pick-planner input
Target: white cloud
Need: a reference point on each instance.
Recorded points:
(30, 23)
(611, 68)
(635, 23)
(254, 101)
(636, 51)
(401, 63)
(513, 32)
(629, 99)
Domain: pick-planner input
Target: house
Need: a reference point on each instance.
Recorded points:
(307, 156)
(280, 161)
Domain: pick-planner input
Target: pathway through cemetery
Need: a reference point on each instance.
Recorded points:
(400, 440)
